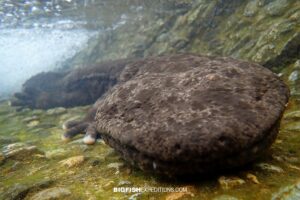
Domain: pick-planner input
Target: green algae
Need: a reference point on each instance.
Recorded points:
(254, 30)
(95, 178)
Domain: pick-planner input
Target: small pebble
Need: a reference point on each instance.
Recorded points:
(29, 119)
(230, 182)
(56, 111)
(253, 178)
(33, 123)
(269, 167)
(124, 182)
(108, 185)
(73, 161)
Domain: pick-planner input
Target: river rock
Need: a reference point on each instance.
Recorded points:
(230, 182)
(73, 161)
(29, 119)
(56, 111)
(277, 7)
(291, 192)
(20, 151)
(20, 191)
(269, 167)
(52, 193)
(187, 114)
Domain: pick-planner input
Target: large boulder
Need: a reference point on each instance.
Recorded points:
(187, 114)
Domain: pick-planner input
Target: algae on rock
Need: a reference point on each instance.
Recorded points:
(266, 32)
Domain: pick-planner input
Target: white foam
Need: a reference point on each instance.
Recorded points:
(26, 52)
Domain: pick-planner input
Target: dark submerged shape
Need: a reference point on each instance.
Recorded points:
(76, 87)
(186, 114)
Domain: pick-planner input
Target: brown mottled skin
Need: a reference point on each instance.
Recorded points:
(189, 114)
(82, 86)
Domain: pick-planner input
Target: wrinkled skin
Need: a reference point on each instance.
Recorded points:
(147, 71)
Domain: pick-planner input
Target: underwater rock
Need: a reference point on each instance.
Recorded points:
(73, 161)
(20, 191)
(76, 87)
(116, 166)
(252, 178)
(33, 123)
(269, 167)
(291, 192)
(293, 126)
(277, 7)
(108, 185)
(185, 114)
(29, 119)
(37, 112)
(292, 115)
(56, 111)
(20, 151)
(208, 27)
(251, 9)
(230, 182)
(52, 193)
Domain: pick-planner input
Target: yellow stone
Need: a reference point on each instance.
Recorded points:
(253, 178)
(73, 161)
(230, 182)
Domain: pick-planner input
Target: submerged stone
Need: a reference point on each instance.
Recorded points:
(30, 119)
(252, 178)
(291, 192)
(52, 193)
(230, 182)
(33, 123)
(277, 7)
(269, 167)
(186, 114)
(20, 191)
(293, 126)
(56, 111)
(20, 151)
(292, 115)
(73, 161)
